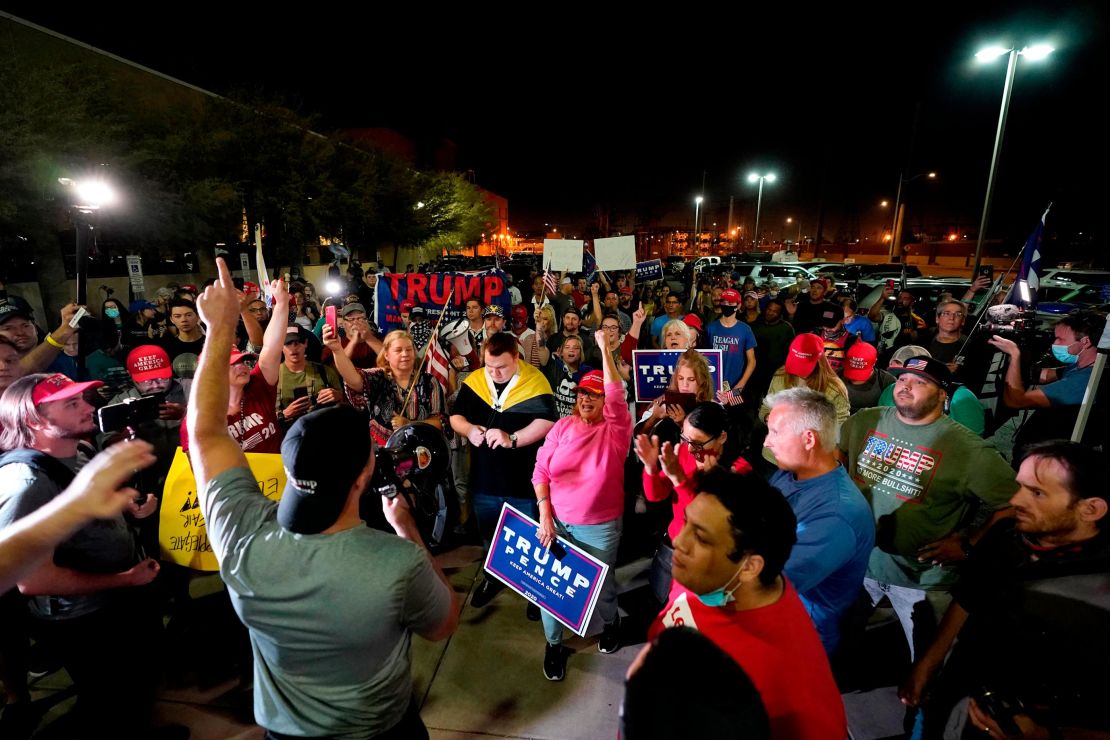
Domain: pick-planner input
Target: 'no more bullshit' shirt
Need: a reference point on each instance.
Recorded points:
(923, 483)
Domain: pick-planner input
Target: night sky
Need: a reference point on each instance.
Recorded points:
(562, 111)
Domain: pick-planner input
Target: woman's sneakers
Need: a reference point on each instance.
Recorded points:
(555, 662)
(610, 641)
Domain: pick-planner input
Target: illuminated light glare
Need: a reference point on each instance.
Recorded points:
(991, 53)
(95, 193)
(951, 237)
(882, 203)
(769, 178)
(753, 177)
(699, 200)
(1023, 289)
(1037, 52)
(932, 175)
(332, 287)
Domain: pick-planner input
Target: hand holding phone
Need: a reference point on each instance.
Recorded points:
(329, 318)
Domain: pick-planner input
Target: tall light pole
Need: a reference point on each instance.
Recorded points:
(790, 220)
(895, 251)
(1033, 53)
(756, 177)
(697, 208)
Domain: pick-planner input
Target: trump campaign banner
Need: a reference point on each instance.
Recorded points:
(564, 580)
(653, 369)
(650, 270)
(431, 291)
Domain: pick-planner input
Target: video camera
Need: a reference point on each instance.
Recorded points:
(415, 462)
(1008, 319)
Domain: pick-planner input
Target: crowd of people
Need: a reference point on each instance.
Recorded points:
(838, 464)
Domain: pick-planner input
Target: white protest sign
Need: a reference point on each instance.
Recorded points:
(562, 255)
(615, 253)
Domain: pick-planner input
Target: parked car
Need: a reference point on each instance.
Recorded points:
(779, 274)
(926, 293)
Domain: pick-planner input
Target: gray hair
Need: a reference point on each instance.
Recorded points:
(691, 335)
(910, 350)
(950, 301)
(811, 411)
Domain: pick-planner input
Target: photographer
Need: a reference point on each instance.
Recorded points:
(1057, 400)
(1033, 630)
(88, 600)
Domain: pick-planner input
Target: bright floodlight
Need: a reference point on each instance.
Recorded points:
(991, 53)
(932, 175)
(1023, 289)
(332, 287)
(94, 193)
(1037, 52)
(753, 177)
(699, 200)
(770, 177)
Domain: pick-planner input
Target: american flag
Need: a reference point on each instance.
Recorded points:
(436, 356)
(731, 397)
(550, 282)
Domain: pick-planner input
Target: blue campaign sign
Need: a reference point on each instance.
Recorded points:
(432, 290)
(654, 367)
(650, 270)
(563, 581)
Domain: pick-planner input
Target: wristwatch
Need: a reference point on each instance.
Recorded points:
(512, 438)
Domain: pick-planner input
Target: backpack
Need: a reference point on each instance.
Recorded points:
(48, 465)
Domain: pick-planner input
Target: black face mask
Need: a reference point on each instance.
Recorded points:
(728, 310)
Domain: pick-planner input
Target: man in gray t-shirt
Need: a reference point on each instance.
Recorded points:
(330, 604)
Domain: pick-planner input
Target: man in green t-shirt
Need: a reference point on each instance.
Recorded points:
(931, 484)
(321, 384)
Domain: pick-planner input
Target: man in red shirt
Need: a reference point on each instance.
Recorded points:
(728, 563)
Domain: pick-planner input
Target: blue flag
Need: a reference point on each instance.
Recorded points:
(589, 265)
(1030, 270)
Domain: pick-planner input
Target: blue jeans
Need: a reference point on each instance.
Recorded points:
(487, 508)
(601, 541)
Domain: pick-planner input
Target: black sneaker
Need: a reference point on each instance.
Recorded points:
(555, 663)
(610, 641)
(532, 613)
(485, 592)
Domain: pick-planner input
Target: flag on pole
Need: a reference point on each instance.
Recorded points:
(437, 360)
(260, 263)
(1030, 270)
(550, 282)
(589, 265)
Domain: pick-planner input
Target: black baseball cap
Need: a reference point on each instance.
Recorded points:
(13, 310)
(324, 452)
(928, 368)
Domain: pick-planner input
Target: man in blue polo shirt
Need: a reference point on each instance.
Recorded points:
(836, 531)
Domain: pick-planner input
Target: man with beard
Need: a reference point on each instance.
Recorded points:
(88, 601)
(1030, 609)
(931, 483)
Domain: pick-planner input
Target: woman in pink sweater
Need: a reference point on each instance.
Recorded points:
(579, 481)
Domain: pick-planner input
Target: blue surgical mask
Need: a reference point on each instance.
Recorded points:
(722, 595)
(112, 313)
(1060, 352)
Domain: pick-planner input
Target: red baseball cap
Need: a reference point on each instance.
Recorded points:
(731, 297)
(592, 382)
(691, 320)
(237, 356)
(626, 290)
(58, 387)
(407, 305)
(149, 362)
(805, 352)
(859, 361)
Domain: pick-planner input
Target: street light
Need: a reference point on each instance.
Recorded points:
(756, 177)
(895, 252)
(697, 208)
(790, 220)
(1034, 53)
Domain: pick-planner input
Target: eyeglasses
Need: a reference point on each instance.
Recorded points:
(952, 314)
(698, 448)
(610, 327)
(248, 362)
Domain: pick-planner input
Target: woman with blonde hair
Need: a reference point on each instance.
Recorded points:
(546, 327)
(691, 375)
(806, 366)
(394, 393)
